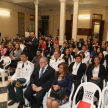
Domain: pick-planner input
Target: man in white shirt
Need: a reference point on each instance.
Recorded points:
(24, 70)
(54, 62)
(87, 54)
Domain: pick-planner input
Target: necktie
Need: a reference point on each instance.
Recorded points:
(41, 72)
(23, 65)
(56, 60)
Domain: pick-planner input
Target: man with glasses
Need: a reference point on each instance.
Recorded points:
(40, 83)
(24, 70)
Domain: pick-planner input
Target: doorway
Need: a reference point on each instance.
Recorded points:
(97, 29)
(45, 27)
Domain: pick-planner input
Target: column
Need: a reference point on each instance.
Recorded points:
(62, 21)
(36, 17)
(75, 19)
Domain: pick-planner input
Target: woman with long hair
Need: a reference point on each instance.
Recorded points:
(9, 49)
(3, 49)
(62, 79)
(67, 57)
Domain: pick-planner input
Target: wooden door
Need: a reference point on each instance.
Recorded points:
(101, 31)
(68, 29)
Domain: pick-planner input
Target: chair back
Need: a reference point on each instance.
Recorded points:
(105, 98)
(6, 60)
(89, 91)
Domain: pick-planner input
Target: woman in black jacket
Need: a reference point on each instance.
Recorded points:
(77, 69)
(96, 73)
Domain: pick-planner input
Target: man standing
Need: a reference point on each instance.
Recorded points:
(32, 46)
(54, 62)
(24, 70)
(40, 83)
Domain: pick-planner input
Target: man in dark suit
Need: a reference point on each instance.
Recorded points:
(40, 83)
(32, 46)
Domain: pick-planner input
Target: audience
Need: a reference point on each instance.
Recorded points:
(77, 56)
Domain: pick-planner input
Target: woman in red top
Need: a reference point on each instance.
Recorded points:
(42, 45)
(56, 41)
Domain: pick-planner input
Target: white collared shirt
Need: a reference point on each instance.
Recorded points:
(75, 68)
(43, 71)
(95, 71)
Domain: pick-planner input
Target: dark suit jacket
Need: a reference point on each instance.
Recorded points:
(46, 79)
(80, 72)
(33, 47)
(73, 54)
(101, 75)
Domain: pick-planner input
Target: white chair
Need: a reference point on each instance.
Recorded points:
(7, 61)
(105, 98)
(68, 104)
(88, 96)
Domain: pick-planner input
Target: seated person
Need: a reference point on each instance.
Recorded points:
(71, 52)
(87, 54)
(84, 60)
(15, 55)
(35, 60)
(9, 49)
(3, 49)
(77, 69)
(40, 82)
(62, 79)
(63, 48)
(54, 62)
(67, 57)
(96, 71)
(24, 70)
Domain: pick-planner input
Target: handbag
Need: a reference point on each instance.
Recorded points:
(59, 94)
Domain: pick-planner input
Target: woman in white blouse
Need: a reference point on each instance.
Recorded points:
(27, 33)
(84, 60)
(96, 72)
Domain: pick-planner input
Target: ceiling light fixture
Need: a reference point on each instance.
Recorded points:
(83, 17)
(4, 13)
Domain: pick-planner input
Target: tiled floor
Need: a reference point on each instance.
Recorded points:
(4, 94)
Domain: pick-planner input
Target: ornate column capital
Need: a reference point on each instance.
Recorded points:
(36, 2)
(62, 0)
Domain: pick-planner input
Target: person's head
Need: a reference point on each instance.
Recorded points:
(107, 48)
(98, 50)
(95, 49)
(67, 51)
(82, 54)
(84, 48)
(27, 30)
(72, 40)
(12, 39)
(106, 43)
(96, 60)
(3, 39)
(41, 41)
(101, 56)
(38, 52)
(43, 61)
(75, 43)
(32, 34)
(17, 46)
(63, 69)
(69, 41)
(88, 41)
(2, 45)
(71, 49)
(46, 38)
(9, 46)
(103, 46)
(57, 54)
(78, 58)
(20, 41)
(64, 44)
(24, 57)
(57, 47)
